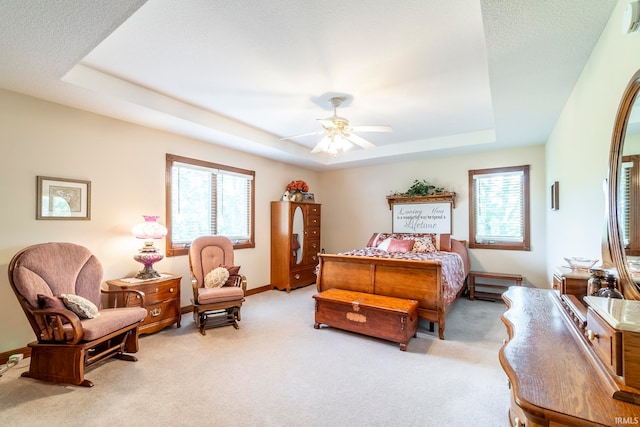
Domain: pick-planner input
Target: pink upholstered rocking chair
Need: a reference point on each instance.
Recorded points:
(218, 306)
(68, 343)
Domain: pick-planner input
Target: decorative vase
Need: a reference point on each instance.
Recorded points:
(611, 291)
(298, 196)
(597, 281)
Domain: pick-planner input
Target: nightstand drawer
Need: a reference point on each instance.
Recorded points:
(160, 312)
(155, 293)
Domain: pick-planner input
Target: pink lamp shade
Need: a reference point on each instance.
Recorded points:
(148, 254)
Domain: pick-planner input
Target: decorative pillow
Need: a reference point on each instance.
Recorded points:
(45, 301)
(423, 245)
(84, 308)
(216, 278)
(233, 270)
(397, 245)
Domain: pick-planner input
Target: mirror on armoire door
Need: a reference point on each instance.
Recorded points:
(298, 234)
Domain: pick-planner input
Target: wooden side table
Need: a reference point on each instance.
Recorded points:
(161, 299)
(496, 296)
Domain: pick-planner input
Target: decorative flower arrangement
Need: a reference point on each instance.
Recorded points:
(421, 188)
(298, 185)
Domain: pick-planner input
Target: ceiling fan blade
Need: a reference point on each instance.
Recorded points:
(360, 141)
(323, 145)
(373, 128)
(318, 132)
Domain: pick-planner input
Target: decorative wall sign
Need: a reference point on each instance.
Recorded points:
(422, 218)
(60, 198)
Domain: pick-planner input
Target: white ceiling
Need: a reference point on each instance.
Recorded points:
(450, 76)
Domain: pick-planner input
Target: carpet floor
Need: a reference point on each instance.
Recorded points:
(277, 370)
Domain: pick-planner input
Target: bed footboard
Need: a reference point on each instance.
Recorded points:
(416, 280)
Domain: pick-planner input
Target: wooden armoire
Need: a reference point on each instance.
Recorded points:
(295, 244)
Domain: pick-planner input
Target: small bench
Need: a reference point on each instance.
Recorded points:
(494, 296)
(393, 319)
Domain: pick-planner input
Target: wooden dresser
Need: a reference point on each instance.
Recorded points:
(161, 299)
(572, 282)
(295, 244)
(555, 376)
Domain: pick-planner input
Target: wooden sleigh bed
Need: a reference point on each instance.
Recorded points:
(434, 278)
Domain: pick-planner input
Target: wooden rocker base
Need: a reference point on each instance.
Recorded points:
(216, 319)
(67, 363)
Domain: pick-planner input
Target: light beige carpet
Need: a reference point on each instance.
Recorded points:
(277, 370)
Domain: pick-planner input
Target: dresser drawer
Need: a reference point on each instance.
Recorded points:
(155, 293)
(314, 210)
(606, 342)
(313, 232)
(156, 313)
(313, 220)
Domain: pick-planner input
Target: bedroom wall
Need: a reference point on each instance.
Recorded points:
(126, 166)
(578, 149)
(355, 205)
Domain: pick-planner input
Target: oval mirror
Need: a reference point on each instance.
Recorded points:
(624, 190)
(298, 234)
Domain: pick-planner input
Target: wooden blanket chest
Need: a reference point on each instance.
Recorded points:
(393, 319)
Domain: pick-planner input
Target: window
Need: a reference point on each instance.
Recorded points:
(206, 198)
(499, 208)
(627, 201)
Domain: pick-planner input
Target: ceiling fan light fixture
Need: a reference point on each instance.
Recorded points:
(340, 134)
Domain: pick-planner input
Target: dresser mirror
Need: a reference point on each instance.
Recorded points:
(624, 191)
(298, 233)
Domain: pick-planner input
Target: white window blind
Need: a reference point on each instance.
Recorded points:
(624, 202)
(209, 201)
(499, 208)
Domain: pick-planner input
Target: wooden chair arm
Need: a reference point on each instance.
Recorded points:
(51, 327)
(128, 295)
(240, 281)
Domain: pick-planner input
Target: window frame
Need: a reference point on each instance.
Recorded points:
(184, 250)
(525, 245)
(630, 223)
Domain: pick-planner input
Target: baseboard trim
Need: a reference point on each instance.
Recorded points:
(26, 351)
(258, 290)
(4, 357)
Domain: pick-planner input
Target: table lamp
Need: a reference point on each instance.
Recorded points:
(148, 255)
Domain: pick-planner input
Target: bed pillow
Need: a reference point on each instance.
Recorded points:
(373, 240)
(443, 242)
(376, 240)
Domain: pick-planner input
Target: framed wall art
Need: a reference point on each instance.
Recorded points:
(62, 198)
(555, 196)
(422, 218)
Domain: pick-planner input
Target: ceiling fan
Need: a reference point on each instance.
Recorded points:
(338, 132)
